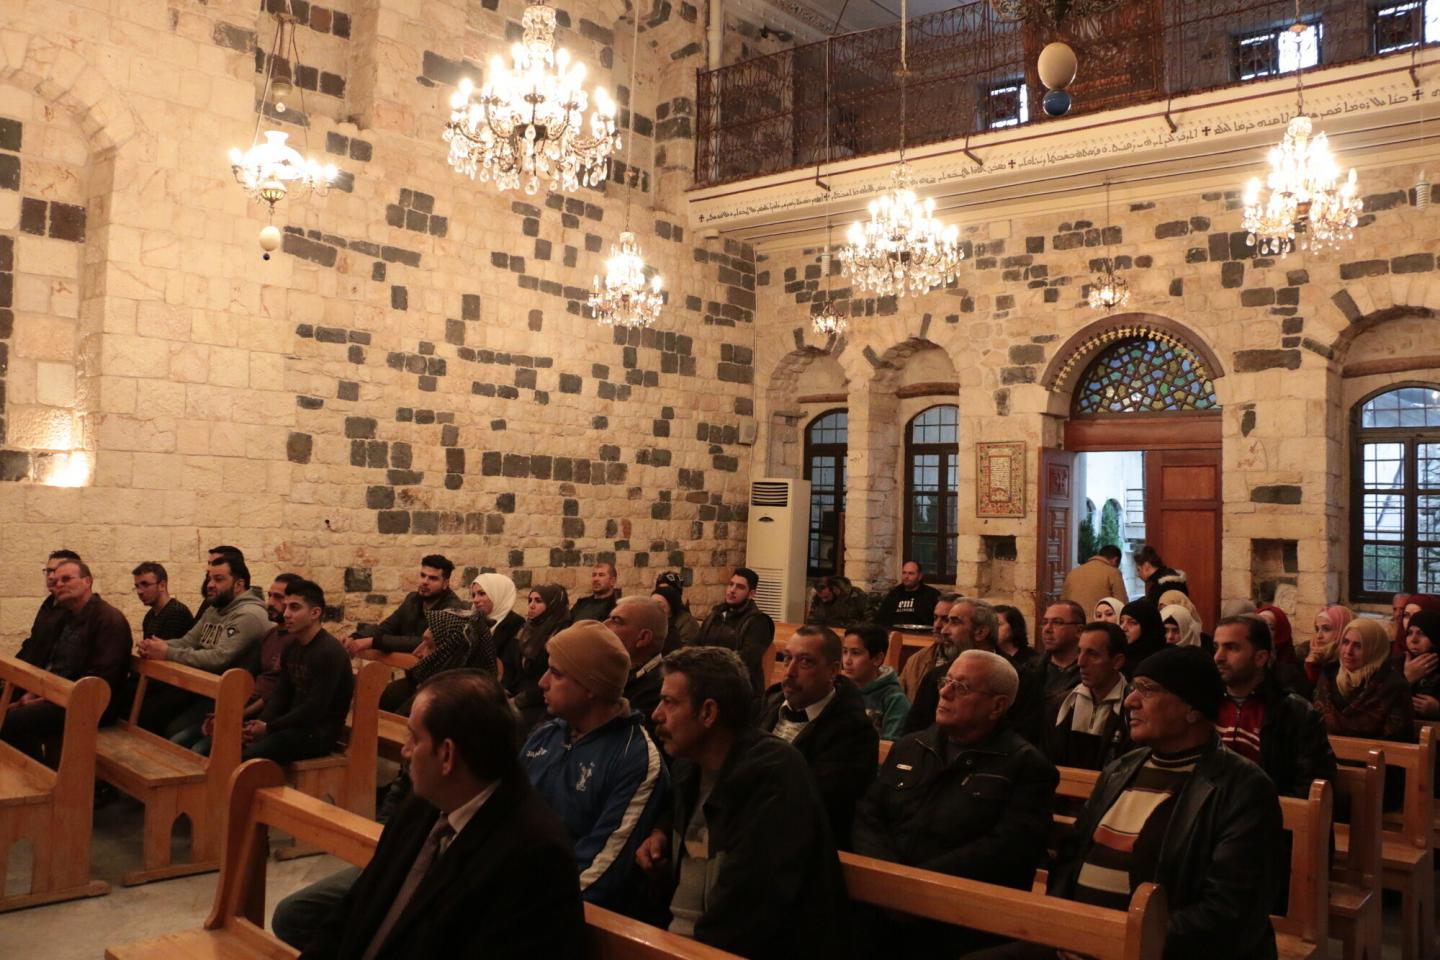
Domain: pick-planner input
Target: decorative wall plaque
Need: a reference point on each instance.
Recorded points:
(1000, 479)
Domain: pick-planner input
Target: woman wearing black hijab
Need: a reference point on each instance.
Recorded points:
(548, 612)
(1144, 632)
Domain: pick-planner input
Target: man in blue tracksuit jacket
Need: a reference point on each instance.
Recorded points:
(595, 764)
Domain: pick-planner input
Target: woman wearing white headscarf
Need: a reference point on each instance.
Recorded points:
(1107, 609)
(1181, 629)
(493, 595)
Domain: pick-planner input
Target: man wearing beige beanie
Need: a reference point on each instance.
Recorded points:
(594, 762)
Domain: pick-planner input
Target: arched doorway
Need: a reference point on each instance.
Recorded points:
(1138, 399)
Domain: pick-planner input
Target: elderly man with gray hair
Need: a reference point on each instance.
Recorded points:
(968, 796)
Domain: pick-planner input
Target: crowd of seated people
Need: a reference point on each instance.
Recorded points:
(615, 751)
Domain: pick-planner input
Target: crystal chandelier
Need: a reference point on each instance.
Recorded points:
(1108, 291)
(827, 321)
(528, 122)
(625, 298)
(1303, 200)
(270, 169)
(903, 248)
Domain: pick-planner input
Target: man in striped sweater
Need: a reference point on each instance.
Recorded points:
(1184, 811)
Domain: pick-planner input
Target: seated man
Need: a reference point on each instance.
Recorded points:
(863, 661)
(968, 797)
(1089, 728)
(750, 857)
(1186, 813)
(305, 717)
(937, 655)
(737, 624)
(94, 641)
(642, 627)
(1048, 680)
(823, 715)
(49, 619)
(165, 616)
(595, 764)
(603, 595)
(835, 603)
(402, 631)
(969, 625)
(1261, 720)
(911, 602)
(225, 635)
(475, 864)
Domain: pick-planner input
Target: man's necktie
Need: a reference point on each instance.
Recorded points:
(424, 860)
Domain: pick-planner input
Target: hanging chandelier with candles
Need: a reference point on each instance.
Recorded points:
(902, 248)
(271, 169)
(1303, 201)
(1109, 290)
(827, 321)
(626, 297)
(527, 124)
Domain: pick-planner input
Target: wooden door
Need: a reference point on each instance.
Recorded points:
(1055, 556)
(1182, 520)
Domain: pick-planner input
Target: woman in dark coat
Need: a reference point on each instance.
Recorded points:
(1144, 632)
(1421, 664)
(549, 612)
(1362, 694)
(493, 595)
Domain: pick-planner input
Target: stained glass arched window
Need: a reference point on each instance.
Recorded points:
(1145, 375)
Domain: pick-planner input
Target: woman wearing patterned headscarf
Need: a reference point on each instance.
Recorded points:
(1361, 694)
(549, 612)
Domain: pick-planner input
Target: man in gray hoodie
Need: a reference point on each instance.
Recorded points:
(234, 620)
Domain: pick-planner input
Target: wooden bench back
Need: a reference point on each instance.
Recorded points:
(1136, 934)
(230, 691)
(396, 661)
(1364, 789)
(84, 702)
(1418, 761)
(260, 800)
(1308, 822)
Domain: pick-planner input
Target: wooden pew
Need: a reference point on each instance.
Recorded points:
(1407, 852)
(390, 728)
(51, 809)
(396, 661)
(170, 780)
(1355, 881)
(235, 928)
(1302, 933)
(1134, 934)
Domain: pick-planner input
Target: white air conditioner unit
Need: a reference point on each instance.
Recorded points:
(775, 548)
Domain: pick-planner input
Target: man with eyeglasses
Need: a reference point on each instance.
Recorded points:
(967, 797)
(822, 714)
(968, 625)
(50, 618)
(1050, 678)
(1184, 812)
(165, 616)
(94, 641)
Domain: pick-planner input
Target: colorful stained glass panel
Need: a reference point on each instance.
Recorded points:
(1145, 376)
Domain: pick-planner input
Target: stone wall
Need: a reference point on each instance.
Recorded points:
(414, 371)
(1282, 330)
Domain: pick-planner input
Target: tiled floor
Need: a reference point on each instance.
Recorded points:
(81, 929)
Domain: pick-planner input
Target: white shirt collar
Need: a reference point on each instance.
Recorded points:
(462, 814)
(818, 707)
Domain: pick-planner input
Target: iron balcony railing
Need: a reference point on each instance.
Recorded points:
(971, 71)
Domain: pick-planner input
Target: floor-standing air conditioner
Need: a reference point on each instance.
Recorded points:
(776, 546)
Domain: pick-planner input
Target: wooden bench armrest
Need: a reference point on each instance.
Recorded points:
(610, 936)
(1418, 762)
(397, 661)
(201, 682)
(1017, 914)
(33, 679)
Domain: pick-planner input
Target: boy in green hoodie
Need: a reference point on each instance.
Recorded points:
(863, 661)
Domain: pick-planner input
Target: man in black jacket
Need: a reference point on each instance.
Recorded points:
(1184, 812)
(968, 797)
(603, 594)
(402, 631)
(642, 627)
(1089, 729)
(749, 865)
(475, 864)
(1261, 720)
(739, 625)
(911, 602)
(823, 715)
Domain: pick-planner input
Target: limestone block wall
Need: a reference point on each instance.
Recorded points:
(413, 371)
(1282, 329)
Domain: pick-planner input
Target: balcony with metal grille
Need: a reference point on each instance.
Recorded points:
(973, 73)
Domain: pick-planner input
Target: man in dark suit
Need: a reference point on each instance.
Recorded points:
(474, 864)
(822, 714)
